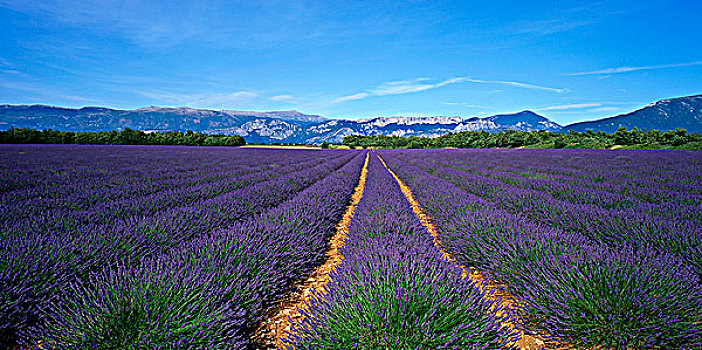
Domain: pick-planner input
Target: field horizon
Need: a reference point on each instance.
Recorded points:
(339, 174)
(243, 248)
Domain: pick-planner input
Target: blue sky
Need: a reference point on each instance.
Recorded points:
(353, 59)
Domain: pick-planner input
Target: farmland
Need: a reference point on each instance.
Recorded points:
(162, 247)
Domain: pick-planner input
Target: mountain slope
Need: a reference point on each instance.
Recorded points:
(525, 121)
(681, 112)
(255, 126)
(335, 130)
(278, 126)
(296, 127)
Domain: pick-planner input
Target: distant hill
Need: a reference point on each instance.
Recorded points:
(523, 121)
(277, 126)
(296, 127)
(680, 112)
(335, 130)
(265, 126)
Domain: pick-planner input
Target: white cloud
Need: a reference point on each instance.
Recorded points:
(357, 96)
(42, 91)
(10, 71)
(409, 86)
(405, 82)
(618, 70)
(280, 98)
(392, 88)
(464, 104)
(517, 84)
(605, 109)
(423, 84)
(221, 24)
(547, 27)
(383, 90)
(7, 68)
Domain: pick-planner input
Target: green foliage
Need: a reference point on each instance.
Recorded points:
(635, 138)
(325, 145)
(622, 301)
(114, 137)
(145, 308)
(403, 305)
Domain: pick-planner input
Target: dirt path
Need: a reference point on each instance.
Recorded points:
(525, 342)
(276, 327)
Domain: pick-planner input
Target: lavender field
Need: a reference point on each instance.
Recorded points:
(597, 248)
(174, 247)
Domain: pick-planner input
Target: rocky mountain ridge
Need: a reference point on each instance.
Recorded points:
(680, 112)
(296, 127)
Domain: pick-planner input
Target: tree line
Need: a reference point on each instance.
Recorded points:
(623, 138)
(114, 137)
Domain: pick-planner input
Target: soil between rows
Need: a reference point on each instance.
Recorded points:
(275, 329)
(493, 291)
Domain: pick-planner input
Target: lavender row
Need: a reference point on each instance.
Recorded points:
(675, 233)
(34, 265)
(79, 193)
(598, 190)
(186, 205)
(393, 290)
(211, 292)
(574, 290)
(605, 194)
(88, 248)
(529, 165)
(93, 245)
(676, 171)
(30, 170)
(635, 173)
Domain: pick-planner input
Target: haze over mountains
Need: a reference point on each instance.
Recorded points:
(296, 127)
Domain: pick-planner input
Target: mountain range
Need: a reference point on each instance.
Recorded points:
(296, 127)
(680, 112)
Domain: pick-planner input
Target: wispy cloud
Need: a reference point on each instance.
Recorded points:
(210, 100)
(618, 70)
(517, 84)
(547, 27)
(357, 96)
(600, 106)
(220, 24)
(408, 81)
(465, 104)
(398, 88)
(423, 84)
(606, 109)
(7, 68)
(409, 86)
(282, 98)
(569, 106)
(42, 92)
(224, 100)
(10, 71)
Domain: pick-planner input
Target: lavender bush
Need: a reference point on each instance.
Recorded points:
(585, 275)
(167, 268)
(393, 290)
